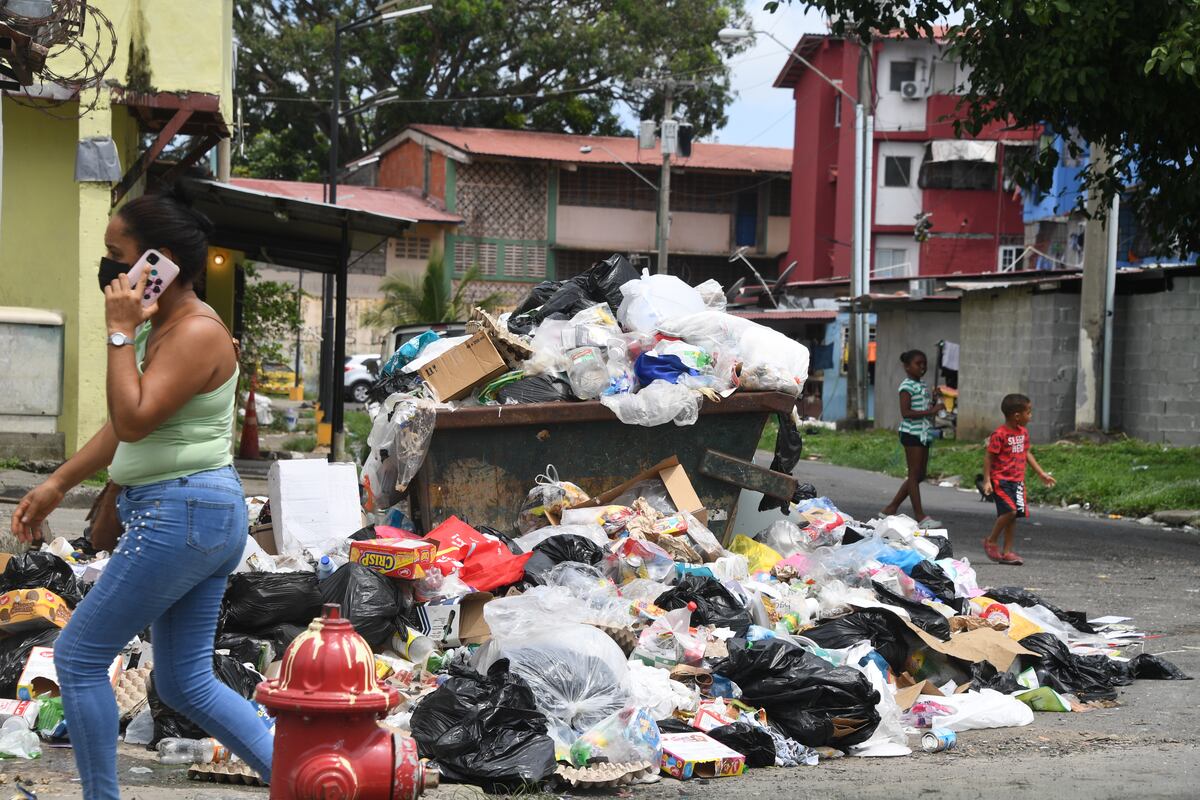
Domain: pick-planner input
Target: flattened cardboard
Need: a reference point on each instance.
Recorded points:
(456, 622)
(981, 644)
(4, 559)
(453, 374)
(908, 695)
(673, 476)
(40, 678)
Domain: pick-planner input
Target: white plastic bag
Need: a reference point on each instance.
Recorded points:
(889, 738)
(984, 709)
(578, 674)
(770, 360)
(591, 532)
(656, 298)
(651, 688)
(713, 295)
(896, 528)
(656, 404)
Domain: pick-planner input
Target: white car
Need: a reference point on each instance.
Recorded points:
(360, 372)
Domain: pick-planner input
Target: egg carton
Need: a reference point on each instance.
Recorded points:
(238, 773)
(604, 776)
(625, 638)
(131, 692)
(510, 347)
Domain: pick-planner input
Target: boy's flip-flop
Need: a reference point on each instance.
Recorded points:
(991, 551)
(1012, 558)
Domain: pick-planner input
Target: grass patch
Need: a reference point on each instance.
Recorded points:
(1127, 477)
(301, 444)
(358, 427)
(11, 463)
(99, 479)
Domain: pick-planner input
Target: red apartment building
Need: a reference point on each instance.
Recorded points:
(918, 166)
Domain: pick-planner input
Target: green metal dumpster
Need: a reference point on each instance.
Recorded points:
(482, 461)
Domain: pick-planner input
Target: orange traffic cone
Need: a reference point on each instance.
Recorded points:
(249, 444)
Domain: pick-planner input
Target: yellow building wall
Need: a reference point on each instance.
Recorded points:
(52, 228)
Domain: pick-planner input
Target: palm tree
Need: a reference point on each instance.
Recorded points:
(408, 301)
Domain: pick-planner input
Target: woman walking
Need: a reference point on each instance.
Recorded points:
(917, 411)
(171, 389)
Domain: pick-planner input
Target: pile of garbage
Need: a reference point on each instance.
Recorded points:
(649, 347)
(603, 644)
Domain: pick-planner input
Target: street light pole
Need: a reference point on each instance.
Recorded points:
(664, 194)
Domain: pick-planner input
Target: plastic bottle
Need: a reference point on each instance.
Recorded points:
(191, 751)
(325, 568)
(587, 373)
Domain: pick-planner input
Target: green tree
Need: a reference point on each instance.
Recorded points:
(554, 65)
(1117, 73)
(270, 317)
(428, 299)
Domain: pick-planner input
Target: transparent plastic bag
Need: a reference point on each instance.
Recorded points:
(627, 737)
(537, 609)
(657, 404)
(587, 371)
(713, 295)
(596, 594)
(399, 440)
(669, 641)
(637, 558)
(655, 298)
(702, 539)
(653, 491)
(770, 360)
(590, 531)
(594, 326)
(577, 673)
(549, 496)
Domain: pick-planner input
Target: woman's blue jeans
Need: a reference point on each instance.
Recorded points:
(182, 539)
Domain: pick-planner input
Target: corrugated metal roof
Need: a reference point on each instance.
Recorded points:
(564, 147)
(762, 314)
(397, 203)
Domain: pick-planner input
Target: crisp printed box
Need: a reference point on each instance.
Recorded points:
(396, 558)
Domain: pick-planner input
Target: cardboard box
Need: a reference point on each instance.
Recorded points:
(396, 558)
(32, 610)
(314, 504)
(39, 677)
(456, 622)
(265, 536)
(453, 374)
(981, 644)
(4, 559)
(695, 755)
(27, 710)
(673, 476)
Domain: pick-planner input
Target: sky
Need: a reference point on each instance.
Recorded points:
(761, 114)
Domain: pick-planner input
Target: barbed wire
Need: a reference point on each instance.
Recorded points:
(71, 27)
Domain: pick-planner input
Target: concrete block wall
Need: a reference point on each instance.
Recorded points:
(1018, 340)
(1156, 358)
(906, 329)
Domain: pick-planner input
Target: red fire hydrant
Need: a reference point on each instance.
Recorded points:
(327, 702)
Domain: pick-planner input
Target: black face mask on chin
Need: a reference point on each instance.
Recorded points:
(110, 270)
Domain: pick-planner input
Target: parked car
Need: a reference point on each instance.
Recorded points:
(275, 378)
(360, 373)
(402, 333)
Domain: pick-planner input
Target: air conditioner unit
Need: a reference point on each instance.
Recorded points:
(911, 90)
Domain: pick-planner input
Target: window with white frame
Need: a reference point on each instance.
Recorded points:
(1010, 258)
(891, 262)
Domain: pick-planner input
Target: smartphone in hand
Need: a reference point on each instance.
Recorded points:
(160, 273)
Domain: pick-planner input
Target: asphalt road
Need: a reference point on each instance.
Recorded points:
(1146, 748)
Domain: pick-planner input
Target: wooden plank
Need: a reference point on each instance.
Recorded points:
(747, 475)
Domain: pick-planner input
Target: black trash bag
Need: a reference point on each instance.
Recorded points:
(715, 605)
(788, 446)
(1155, 668)
(935, 579)
(924, 617)
(281, 635)
(1087, 677)
(674, 725)
(170, 723)
(247, 648)
(257, 600)
(364, 534)
(484, 730)
(1023, 597)
(945, 549)
(537, 297)
(608, 276)
(368, 600)
(556, 550)
(14, 652)
(755, 743)
(887, 633)
(810, 701)
(536, 389)
(853, 535)
(984, 675)
(39, 569)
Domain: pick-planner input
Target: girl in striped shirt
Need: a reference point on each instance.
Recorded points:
(917, 411)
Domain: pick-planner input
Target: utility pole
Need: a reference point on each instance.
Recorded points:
(669, 138)
(1093, 305)
(857, 402)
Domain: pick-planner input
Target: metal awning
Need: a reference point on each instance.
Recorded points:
(962, 150)
(287, 231)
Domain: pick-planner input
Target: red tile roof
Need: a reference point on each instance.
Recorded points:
(764, 315)
(564, 147)
(399, 203)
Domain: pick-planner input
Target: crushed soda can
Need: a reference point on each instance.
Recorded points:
(938, 740)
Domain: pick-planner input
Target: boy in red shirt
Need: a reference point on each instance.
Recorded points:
(1004, 475)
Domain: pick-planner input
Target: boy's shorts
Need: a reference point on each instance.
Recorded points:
(1010, 497)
